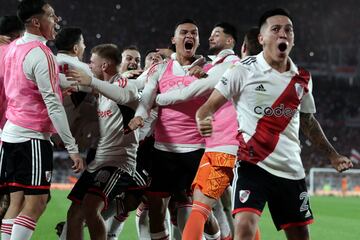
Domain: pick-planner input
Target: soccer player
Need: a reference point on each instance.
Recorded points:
(215, 170)
(116, 222)
(114, 161)
(273, 99)
(251, 45)
(130, 66)
(177, 153)
(12, 27)
(152, 57)
(80, 104)
(34, 112)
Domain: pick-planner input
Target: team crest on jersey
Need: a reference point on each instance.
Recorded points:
(244, 195)
(48, 175)
(299, 90)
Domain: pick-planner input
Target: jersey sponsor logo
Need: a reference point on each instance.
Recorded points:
(279, 111)
(244, 195)
(48, 175)
(103, 114)
(260, 88)
(184, 81)
(224, 80)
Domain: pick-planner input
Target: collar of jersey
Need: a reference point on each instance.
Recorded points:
(265, 67)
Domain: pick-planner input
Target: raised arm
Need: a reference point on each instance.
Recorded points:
(197, 88)
(121, 93)
(312, 129)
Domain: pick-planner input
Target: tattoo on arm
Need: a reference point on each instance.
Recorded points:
(312, 129)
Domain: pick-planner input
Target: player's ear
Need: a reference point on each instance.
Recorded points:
(75, 48)
(261, 39)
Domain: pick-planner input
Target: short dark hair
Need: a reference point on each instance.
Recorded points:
(11, 26)
(67, 38)
(130, 47)
(228, 29)
(273, 12)
(150, 51)
(252, 42)
(29, 8)
(108, 51)
(186, 20)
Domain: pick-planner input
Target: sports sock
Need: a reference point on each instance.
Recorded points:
(195, 225)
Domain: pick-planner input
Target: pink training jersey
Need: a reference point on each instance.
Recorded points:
(224, 121)
(26, 107)
(268, 104)
(176, 123)
(3, 100)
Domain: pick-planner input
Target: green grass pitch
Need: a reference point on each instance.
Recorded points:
(335, 218)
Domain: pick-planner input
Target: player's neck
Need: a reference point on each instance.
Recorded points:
(281, 65)
(183, 61)
(108, 75)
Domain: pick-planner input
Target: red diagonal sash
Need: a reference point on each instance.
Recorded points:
(268, 128)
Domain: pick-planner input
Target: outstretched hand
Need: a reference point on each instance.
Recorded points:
(78, 76)
(132, 74)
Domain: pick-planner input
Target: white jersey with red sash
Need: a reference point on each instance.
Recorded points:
(268, 104)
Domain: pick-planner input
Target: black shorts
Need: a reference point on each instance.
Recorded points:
(288, 200)
(3, 187)
(173, 172)
(107, 182)
(29, 166)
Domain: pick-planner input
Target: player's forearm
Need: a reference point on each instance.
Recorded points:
(312, 129)
(215, 101)
(59, 120)
(147, 100)
(119, 94)
(64, 83)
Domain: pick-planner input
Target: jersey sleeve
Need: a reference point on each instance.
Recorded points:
(150, 90)
(232, 81)
(40, 67)
(307, 104)
(121, 91)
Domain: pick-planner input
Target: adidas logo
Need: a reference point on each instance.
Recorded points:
(260, 88)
